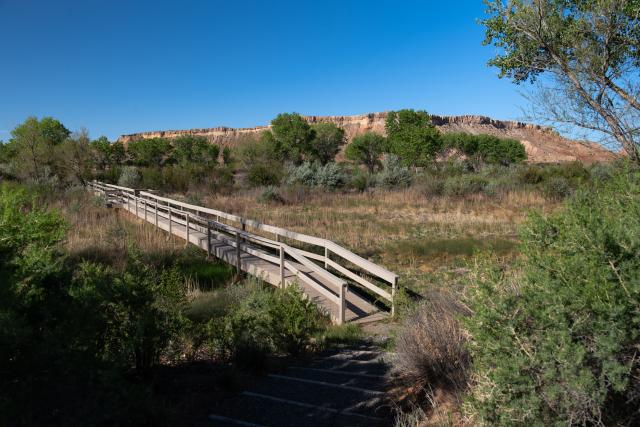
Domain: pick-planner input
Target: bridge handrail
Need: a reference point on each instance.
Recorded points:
(328, 245)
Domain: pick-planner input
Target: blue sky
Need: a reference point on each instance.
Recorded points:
(118, 67)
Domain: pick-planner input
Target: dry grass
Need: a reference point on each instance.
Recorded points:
(431, 365)
(107, 235)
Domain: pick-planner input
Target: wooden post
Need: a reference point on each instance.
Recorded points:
(281, 267)
(169, 210)
(156, 214)
(326, 257)
(238, 264)
(135, 194)
(394, 285)
(186, 217)
(277, 238)
(208, 239)
(145, 209)
(343, 305)
(136, 206)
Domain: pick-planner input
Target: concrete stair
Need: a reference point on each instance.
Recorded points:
(345, 387)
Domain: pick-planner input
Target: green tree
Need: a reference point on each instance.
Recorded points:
(328, 138)
(555, 338)
(412, 137)
(293, 136)
(149, 152)
(75, 157)
(366, 149)
(32, 146)
(227, 157)
(485, 148)
(588, 50)
(195, 150)
(262, 161)
(101, 150)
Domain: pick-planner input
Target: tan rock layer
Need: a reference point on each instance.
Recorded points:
(543, 144)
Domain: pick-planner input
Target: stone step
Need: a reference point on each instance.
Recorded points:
(255, 409)
(364, 381)
(358, 400)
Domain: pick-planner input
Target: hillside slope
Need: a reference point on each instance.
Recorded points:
(543, 144)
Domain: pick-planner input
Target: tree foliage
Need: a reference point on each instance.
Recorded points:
(195, 150)
(590, 52)
(149, 152)
(293, 136)
(32, 146)
(328, 138)
(412, 137)
(556, 339)
(486, 148)
(366, 149)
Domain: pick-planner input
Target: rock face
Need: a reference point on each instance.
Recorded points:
(543, 144)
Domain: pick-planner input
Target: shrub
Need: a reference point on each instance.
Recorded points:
(360, 180)
(558, 187)
(129, 177)
(430, 347)
(271, 195)
(464, 185)
(263, 174)
(131, 317)
(432, 186)
(531, 174)
(393, 173)
(264, 320)
(295, 320)
(555, 340)
(330, 176)
(304, 174)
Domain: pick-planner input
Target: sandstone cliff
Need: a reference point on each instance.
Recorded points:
(543, 144)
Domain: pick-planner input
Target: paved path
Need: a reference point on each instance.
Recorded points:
(340, 388)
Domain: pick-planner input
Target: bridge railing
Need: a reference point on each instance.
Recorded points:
(334, 256)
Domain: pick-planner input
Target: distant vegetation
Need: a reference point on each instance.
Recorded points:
(292, 152)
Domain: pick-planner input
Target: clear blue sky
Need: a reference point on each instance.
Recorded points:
(118, 67)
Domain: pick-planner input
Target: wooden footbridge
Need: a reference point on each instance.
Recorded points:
(348, 287)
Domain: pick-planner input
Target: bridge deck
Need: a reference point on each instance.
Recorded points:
(358, 309)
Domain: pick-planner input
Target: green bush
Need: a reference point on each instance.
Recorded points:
(555, 340)
(131, 317)
(295, 320)
(558, 187)
(129, 177)
(486, 148)
(531, 174)
(313, 174)
(271, 195)
(264, 320)
(393, 173)
(464, 185)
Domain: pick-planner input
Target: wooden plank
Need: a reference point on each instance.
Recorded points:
(361, 280)
(375, 269)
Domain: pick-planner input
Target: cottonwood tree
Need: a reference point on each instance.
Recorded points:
(584, 57)
(412, 137)
(293, 136)
(367, 149)
(326, 143)
(75, 157)
(32, 146)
